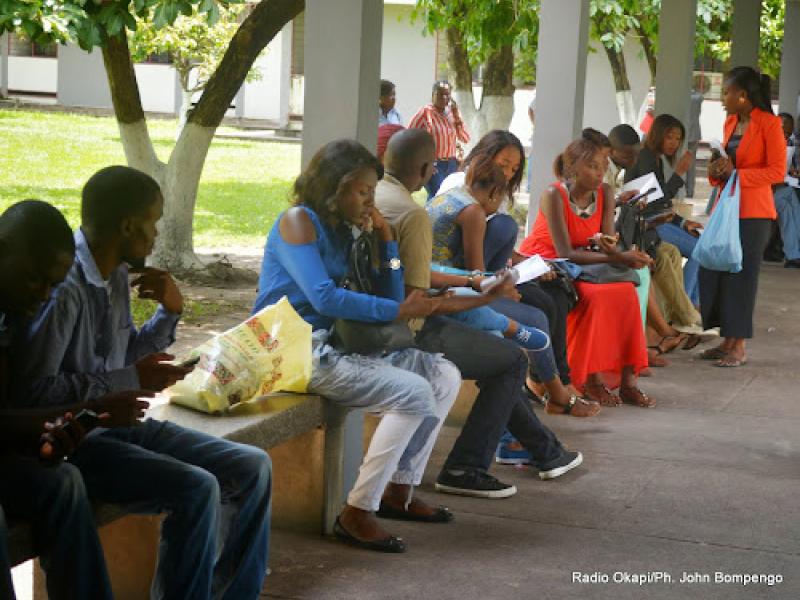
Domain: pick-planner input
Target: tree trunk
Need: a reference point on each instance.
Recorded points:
(497, 101)
(180, 179)
(627, 114)
(175, 250)
(458, 63)
(183, 111)
(649, 52)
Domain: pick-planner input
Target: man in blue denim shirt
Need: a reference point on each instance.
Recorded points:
(36, 251)
(216, 493)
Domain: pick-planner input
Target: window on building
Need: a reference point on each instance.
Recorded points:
(20, 46)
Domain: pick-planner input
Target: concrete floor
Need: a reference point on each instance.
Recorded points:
(706, 482)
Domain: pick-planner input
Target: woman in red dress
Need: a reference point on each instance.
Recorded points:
(605, 337)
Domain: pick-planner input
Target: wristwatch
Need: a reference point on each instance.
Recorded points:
(393, 263)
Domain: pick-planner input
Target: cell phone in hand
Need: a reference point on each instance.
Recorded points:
(189, 362)
(136, 264)
(433, 292)
(87, 419)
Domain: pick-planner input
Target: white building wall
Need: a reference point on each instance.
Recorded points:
(408, 59)
(156, 87)
(82, 78)
(32, 74)
(268, 98)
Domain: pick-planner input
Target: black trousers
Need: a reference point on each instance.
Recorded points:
(727, 300)
(498, 365)
(552, 300)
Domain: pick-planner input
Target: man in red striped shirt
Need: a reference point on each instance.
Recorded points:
(442, 120)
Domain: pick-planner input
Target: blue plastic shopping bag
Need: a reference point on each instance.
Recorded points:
(719, 247)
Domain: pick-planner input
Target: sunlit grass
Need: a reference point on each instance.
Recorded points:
(50, 156)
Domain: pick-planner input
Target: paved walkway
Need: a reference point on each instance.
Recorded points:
(708, 481)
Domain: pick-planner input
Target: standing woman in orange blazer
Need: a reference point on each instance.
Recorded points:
(756, 149)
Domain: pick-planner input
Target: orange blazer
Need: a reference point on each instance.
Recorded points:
(760, 163)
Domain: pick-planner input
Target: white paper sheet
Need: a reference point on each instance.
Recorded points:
(528, 270)
(644, 183)
(792, 181)
(531, 268)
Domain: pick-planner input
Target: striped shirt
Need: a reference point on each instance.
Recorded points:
(444, 130)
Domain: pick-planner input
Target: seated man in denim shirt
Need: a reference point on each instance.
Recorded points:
(36, 251)
(83, 343)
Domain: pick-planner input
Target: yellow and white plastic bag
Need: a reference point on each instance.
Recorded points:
(269, 352)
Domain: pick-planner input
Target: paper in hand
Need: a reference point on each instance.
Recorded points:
(644, 183)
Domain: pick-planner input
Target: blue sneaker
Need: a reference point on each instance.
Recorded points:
(510, 452)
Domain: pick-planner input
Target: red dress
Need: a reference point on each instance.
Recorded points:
(604, 331)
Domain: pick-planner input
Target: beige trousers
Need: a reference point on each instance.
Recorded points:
(668, 280)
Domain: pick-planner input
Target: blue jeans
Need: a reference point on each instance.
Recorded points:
(499, 368)
(685, 242)
(216, 494)
(787, 203)
(444, 168)
(498, 242)
(54, 502)
(483, 318)
(544, 362)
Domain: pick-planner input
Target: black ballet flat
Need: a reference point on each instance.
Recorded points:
(391, 544)
(440, 515)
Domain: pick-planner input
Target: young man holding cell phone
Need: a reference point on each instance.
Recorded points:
(83, 344)
(36, 251)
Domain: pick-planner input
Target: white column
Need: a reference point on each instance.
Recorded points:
(560, 83)
(745, 33)
(342, 83)
(789, 100)
(342, 72)
(3, 65)
(675, 59)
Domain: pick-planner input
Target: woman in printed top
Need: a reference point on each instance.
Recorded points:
(459, 221)
(442, 119)
(605, 335)
(756, 150)
(306, 254)
(505, 151)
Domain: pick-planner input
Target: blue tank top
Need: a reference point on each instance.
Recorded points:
(309, 274)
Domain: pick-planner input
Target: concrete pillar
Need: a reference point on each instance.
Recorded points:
(676, 59)
(4, 65)
(560, 83)
(789, 99)
(342, 72)
(745, 33)
(342, 79)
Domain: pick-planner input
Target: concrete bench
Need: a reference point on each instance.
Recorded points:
(314, 460)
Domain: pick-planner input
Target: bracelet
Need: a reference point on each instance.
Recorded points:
(470, 279)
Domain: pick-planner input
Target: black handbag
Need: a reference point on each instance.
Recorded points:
(360, 337)
(632, 225)
(563, 281)
(608, 273)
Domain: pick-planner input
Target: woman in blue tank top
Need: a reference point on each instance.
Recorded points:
(304, 259)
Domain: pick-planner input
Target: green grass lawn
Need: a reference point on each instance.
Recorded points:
(51, 155)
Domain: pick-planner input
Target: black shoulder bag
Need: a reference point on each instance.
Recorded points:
(360, 337)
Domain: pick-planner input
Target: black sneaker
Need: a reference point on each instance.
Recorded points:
(792, 264)
(473, 483)
(558, 466)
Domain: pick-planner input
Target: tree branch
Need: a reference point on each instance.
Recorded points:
(498, 77)
(458, 60)
(122, 80)
(649, 52)
(256, 31)
(136, 141)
